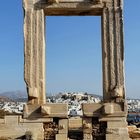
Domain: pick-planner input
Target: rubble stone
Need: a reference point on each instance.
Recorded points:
(134, 132)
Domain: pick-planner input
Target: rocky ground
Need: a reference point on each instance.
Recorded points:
(134, 132)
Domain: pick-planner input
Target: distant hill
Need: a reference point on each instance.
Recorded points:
(5, 99)
(21, 96)
(14, 95)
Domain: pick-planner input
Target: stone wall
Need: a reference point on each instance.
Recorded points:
(12, 127)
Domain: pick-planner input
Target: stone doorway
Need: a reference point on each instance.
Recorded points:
(105, 120)
(112, 43)
(111, 113)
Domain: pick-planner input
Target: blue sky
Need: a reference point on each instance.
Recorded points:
(73, 51)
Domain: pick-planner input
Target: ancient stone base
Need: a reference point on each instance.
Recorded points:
(116, 128)
(61, 137)
(108, 118)
(45, 111)
(100, 121)
(14, 127)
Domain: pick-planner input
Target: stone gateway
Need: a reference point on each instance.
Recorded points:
(100, 121)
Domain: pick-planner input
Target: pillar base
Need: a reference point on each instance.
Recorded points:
(108, 118)
(45, 111)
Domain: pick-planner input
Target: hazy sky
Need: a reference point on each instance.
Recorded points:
(73, 51)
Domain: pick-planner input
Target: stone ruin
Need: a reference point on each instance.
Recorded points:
(45, 121)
